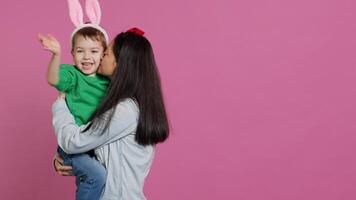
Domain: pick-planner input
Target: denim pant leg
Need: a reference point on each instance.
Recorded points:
(90, 175)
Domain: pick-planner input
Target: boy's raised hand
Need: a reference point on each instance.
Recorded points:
(50, 43)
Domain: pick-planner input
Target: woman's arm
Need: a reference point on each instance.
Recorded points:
(71, 139)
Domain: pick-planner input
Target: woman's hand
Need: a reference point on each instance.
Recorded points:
(60, 168)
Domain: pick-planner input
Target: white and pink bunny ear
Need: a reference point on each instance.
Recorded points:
(93, 11)
(75, 12)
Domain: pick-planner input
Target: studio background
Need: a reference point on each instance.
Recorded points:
(260, 95)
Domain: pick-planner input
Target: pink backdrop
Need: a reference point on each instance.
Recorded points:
(261, 97)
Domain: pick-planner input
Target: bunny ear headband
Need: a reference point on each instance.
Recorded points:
(93, 12)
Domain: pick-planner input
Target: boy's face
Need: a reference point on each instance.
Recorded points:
(87, 54)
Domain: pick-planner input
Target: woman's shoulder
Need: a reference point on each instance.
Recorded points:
(129, 106)
(129, 102)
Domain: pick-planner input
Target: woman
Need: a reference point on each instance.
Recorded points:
(126, 126)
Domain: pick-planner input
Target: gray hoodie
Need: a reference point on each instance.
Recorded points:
(127, 163)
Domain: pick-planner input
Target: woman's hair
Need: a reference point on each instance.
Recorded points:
(136, 77)
(92, 33)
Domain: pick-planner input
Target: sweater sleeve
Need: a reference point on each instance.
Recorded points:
(71, 138)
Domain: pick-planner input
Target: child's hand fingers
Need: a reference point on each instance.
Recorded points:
(49, 43)
(47, 46)
(44, 41)
(47, 49)
(51, 37)
(40, 37)
(43, 38)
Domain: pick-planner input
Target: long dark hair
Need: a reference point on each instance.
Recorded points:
(135, 77)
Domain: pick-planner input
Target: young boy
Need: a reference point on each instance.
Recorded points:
(84, 90)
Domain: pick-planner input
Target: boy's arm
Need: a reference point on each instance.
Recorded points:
(51, 44)
(53, 69)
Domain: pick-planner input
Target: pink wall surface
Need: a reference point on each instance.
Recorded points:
(261, 97)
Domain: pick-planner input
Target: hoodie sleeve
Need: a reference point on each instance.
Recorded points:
(71, 138)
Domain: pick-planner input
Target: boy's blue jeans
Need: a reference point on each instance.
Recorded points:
(90, 175)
